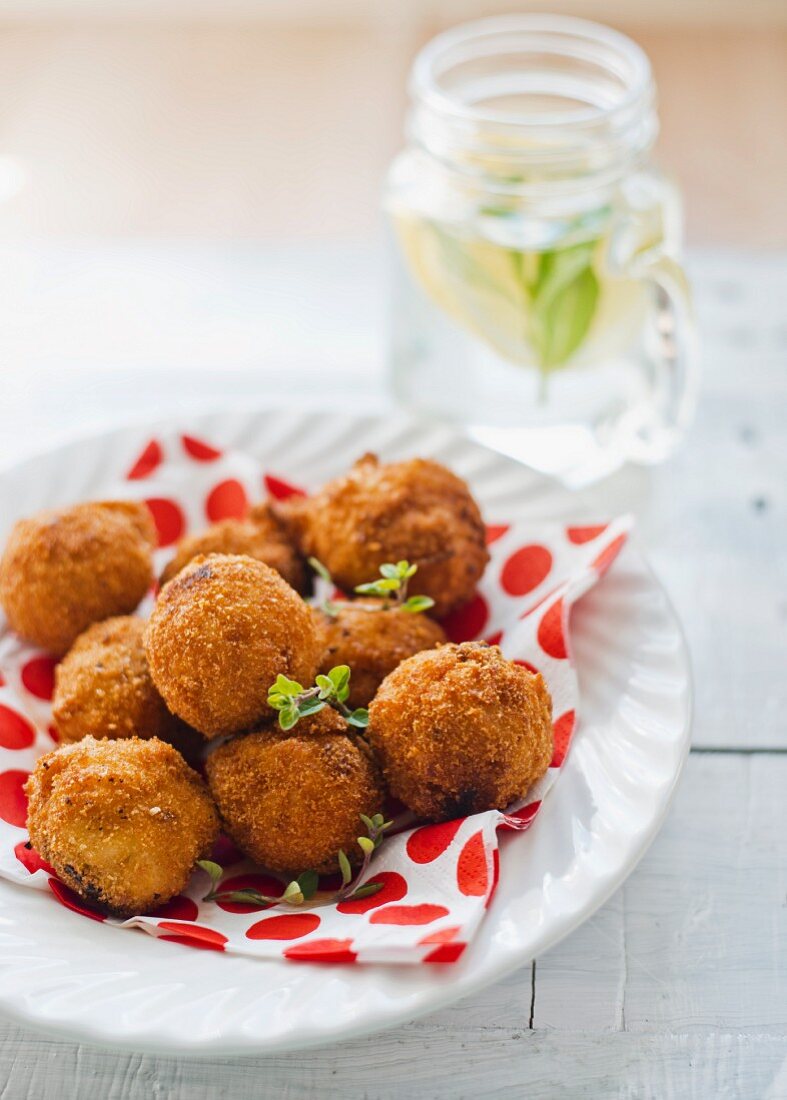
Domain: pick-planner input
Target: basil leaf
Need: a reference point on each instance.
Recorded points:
(565, 295)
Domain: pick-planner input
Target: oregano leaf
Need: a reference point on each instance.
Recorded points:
(416, 604)
(214, 870)
(320, 569)
(344, 867)
(366, 891)
(308, 882)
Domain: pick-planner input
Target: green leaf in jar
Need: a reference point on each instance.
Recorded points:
(563, 303)
(534, 308)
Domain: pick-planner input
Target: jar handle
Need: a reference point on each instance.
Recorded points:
(673, 344)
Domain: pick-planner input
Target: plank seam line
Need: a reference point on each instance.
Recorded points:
(712, 750)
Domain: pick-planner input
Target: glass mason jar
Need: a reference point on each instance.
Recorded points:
(538, 298)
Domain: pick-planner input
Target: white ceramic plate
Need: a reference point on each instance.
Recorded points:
(92, 982)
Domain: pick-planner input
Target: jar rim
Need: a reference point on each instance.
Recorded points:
(478, 39)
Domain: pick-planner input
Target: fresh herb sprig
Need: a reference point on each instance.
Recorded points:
(329, 606)
(304, 888)
(293, 701)
(390, 587)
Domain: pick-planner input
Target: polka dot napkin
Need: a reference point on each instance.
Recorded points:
(438, 880)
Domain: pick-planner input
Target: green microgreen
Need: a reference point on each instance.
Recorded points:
(391, 587)
(293, 701)
(304, 888)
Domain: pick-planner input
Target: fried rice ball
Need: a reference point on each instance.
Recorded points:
(103, 686)
(460, 729)
(291, 800)
(65, 569)
(259, 536)
(372, 642)
(415, 510)
(122, 822)
(220, 633)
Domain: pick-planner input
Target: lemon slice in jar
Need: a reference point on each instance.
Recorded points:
(474, 281)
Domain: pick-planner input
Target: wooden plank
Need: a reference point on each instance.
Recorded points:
(695, 940)
(421, 1062)
(715, 520)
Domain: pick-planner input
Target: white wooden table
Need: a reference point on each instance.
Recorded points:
(678, 986)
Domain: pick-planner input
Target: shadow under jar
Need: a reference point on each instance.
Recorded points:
(537, 294)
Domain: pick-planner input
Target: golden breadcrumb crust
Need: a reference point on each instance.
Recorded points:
(415, 510)
(292, 800)
(372, 642)
(122, 822)
(260, 536)
(460, 729)
(103, 686)
(65, 569)
(220, 633)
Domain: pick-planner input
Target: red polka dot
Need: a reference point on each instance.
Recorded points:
(280, 489)
(263, 884)
(198, 449)
(445, 953)
(525, 570)
(13, 800)
(472, 876)
(227, 500)
(54, 734)
(168, 518)
(522, 819)
(287, 926)
(578, 535)
(30, 859)
(2, 680)
(147, 462)
(495, 639)
(71, 900)
(193, 935)
(467, 622)
(495, 877)
(495, 532)
(394, 889)
(428, 843)
(329, 951)
(608, 555)
(526, 664)
(408, 914)
(563, 728)
(445, 935)
(226, 852)
(550, 632)
(15, 731)
(38, 677)
(178, 908)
